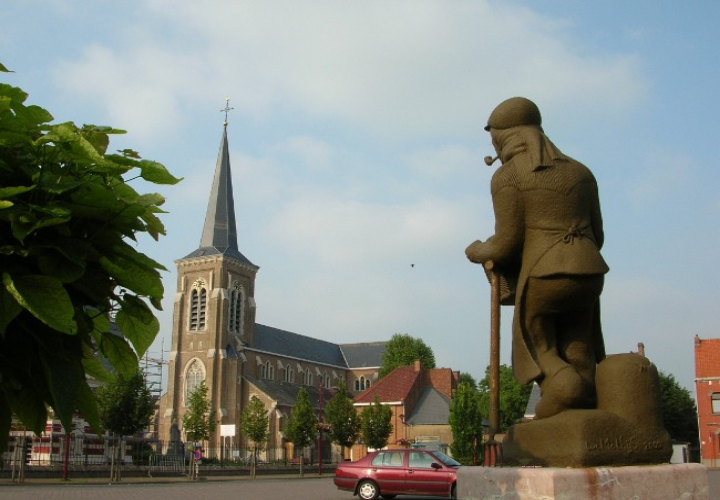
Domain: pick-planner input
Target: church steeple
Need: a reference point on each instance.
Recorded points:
(219, 235)
(220, 230)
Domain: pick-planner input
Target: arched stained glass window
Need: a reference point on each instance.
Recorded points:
(193, 378)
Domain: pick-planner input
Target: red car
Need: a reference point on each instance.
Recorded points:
(387, 473)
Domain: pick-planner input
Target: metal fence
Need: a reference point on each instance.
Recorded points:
(75, 450)
(80, 451)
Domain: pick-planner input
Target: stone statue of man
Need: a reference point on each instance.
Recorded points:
(548, 236)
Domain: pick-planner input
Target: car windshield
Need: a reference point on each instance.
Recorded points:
(450, 462)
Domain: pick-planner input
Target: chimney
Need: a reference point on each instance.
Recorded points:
(418, 365)
(641, 349)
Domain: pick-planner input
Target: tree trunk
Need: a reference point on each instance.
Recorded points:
(112, 459)
(116, 461)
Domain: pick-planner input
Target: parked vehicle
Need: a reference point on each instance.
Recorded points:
(387, 473)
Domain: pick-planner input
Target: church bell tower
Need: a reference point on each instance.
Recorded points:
(214, 312)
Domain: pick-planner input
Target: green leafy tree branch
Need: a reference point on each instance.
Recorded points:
(301, 427)
(199, 421)
(465, 422)
(513, 397)
(125, 407)
(343, 418)
(67, 212)
(376, 424)
(403, 350)
(254, 424)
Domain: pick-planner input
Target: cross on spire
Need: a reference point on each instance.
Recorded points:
(226, 110)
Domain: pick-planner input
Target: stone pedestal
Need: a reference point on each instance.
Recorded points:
(651, 482)
(585, 438)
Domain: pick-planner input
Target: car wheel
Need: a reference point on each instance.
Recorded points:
(388, 497)
(453, 491)
(367, 490)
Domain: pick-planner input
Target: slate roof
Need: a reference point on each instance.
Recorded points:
(433, 407)
(395, 386)
(219, 235)
(363, 355)
(230, 252)
(286, 394)
(283, 343)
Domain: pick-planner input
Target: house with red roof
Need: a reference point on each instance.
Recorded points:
(707, 392)
(420, 402)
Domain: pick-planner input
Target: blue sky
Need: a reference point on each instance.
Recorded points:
(357, 142)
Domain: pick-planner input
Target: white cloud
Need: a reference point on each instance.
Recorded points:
(393, 67)
(143, 89)
(330, 232)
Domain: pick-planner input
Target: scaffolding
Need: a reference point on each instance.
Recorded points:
(153, 368)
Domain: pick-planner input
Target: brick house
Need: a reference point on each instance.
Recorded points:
(707, 393)
(420, 402)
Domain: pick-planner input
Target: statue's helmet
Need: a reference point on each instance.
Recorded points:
(514, 112)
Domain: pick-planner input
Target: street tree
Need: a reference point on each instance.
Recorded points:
(465, 423)
(513, 397)
(67, 211)
(255, 425)
(302, 425)
(469, 379)
(199, 421)
(343, 419)
(376, 424)
(403, 350)
(679, 410)
(125, 407)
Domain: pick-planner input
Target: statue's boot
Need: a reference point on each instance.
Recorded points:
(564, 390)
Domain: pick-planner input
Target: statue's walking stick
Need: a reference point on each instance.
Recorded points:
(493, 453)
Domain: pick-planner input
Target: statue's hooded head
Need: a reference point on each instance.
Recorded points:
(514, 112)
(516, 128)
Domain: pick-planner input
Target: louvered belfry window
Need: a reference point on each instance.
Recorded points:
(235, 312)
(198, 305)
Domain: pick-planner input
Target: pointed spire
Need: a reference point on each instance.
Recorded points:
(220, 230)
(219, 235)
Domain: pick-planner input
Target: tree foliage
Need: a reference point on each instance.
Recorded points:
(465, 422)
(513, 397)
(254, 424)
(301, 427)
(125, 404)
(468, 379)
(66, 211)
(376, 424)
(125, 407)
(403, 350)
(199, 421)
(678, 409)
(343, 418)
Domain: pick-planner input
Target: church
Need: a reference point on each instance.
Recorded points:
(215, 339)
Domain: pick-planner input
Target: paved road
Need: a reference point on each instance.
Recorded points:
(261, 488)
(286, 488)
(307, 488)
